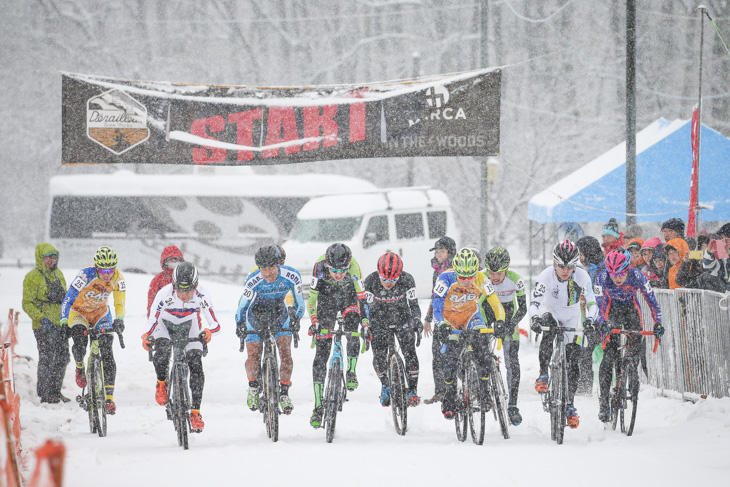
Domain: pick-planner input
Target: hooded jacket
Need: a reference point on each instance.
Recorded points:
(44, 289)
(163, 278)
(682, 248)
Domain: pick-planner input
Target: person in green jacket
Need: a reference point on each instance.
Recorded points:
(44, 289)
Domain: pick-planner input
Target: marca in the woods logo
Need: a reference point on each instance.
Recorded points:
(116, 121)
(437, 97)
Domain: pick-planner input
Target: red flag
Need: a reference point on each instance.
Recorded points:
(695, 169)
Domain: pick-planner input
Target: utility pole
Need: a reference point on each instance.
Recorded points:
(411, 161)
(483, 179)
(630, 112)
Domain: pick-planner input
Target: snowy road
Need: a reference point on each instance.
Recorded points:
(674, 442)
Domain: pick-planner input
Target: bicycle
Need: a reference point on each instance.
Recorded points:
(335, 392)
(269, 371)
(624, 396)
(93, 396)
(473, 406)
(554, 400)
(178, 402)
(398, 383)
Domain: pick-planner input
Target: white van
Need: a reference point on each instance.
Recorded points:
(217, 220)
(403, 220)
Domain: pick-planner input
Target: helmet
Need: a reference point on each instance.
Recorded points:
(566, 254)
(268, 256)
(497, 259)
(282, 257)
(390, 266)
(338, 256)
(476, 251)
(465, 263)
(617, 261)
(185, 276)
(105, 258)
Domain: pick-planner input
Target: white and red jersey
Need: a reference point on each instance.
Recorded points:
(169, 308)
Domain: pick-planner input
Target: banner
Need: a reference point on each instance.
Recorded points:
(107, 120)
(693, 188)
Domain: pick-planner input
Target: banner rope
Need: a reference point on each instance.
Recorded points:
(717, 29)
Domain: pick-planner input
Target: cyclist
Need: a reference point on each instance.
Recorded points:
(85, 305)
(393, 306)
(556, 301)
(510, 289)
(169, 259)
(264, 295)
(335, 289)
(180, 304)
(617, 286)
(458, 300)
(444, 251)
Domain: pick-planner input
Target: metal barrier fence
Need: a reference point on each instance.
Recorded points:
(694, 355)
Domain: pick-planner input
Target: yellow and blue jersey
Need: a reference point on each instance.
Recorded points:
(88, 294)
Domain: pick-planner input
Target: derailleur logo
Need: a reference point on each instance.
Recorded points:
(437, 97)
(116, 121)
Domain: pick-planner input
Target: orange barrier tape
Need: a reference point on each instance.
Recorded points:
(49, 466)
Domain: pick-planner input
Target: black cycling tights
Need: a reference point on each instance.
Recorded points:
(81, 340)
(625, 317)
(572, 358)
(161, 359)
(407, 340)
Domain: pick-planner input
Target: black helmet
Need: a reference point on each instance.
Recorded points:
(268, 256)
(338, 256)
(445, 243)
(185, 276)
(497, 259)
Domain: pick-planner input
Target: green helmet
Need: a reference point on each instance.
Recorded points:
(465, 263)
(497, 259)
(105, 258)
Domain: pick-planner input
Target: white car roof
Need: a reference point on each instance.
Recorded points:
(359, 204)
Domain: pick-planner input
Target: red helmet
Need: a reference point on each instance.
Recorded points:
(390, 266)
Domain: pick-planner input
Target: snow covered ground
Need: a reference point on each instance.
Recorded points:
(674, 442)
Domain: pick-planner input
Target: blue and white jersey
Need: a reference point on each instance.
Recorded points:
(625, 294)
(256, 288)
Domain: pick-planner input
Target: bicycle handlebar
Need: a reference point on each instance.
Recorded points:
(199, 338)
(632, 332)
(479, 331)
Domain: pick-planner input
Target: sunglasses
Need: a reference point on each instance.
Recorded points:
(463, 278)
(105, 272)
(618, 274)
(338, 271)
(566, 267)
(389, 280)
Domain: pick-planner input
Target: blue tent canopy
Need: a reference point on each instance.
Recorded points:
(597, 191)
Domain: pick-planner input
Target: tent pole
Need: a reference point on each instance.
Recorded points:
(630, 112)
(529, 251)
(703, 11)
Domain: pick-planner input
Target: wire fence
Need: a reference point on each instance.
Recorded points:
(694, 355)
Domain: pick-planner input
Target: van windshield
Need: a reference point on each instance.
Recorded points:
(326, 229)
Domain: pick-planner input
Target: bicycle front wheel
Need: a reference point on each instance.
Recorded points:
(96, 384)
(332, 396)
(558, 392)
(271, 398)
(500, 401)
(398, 393)
(475, 405)
(631, 400)
(616, 398)
(180, 412)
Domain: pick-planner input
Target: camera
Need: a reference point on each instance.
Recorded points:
(695, 255)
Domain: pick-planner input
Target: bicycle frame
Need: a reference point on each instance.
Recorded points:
(93, 397)
(178, 409)
(398, 382)
(335, 393)
(626, 369)
(555, 400)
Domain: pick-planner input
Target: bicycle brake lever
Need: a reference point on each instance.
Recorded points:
(296, 339)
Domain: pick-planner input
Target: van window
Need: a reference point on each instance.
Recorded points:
(378, 225)
(409, 225)
(325, 229)
(436, 224)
